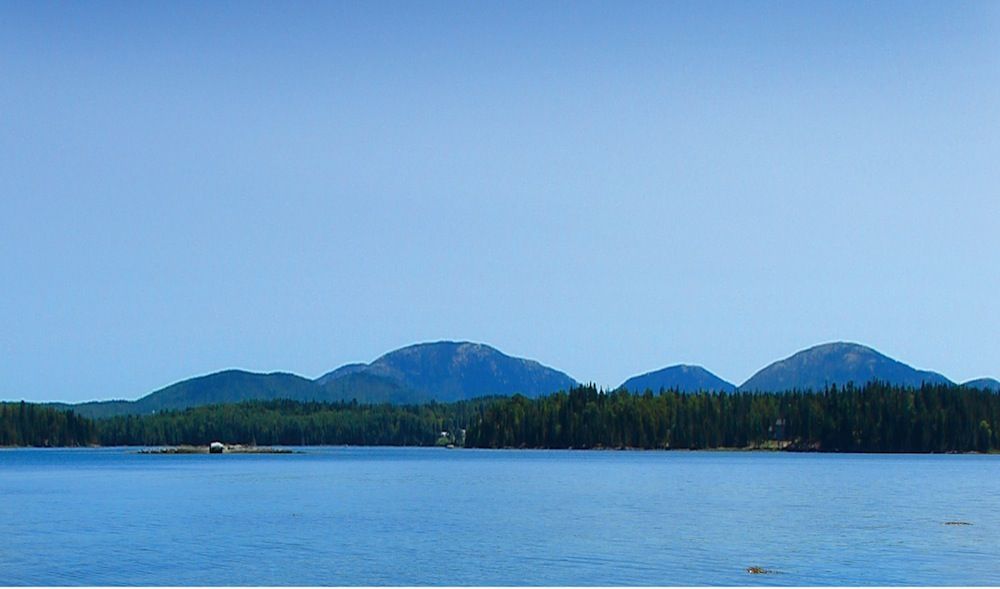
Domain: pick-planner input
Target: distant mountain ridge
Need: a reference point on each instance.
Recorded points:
(837, 363)
(984, 384)
(448, 371)
(227, 386)
(345, 370)
(438, 371)
(681, 377)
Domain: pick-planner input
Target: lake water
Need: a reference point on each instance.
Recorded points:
(388, 516)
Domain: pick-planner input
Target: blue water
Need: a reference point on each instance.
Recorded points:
(381, 516)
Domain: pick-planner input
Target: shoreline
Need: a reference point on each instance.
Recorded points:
(300, 449)
(226, 449)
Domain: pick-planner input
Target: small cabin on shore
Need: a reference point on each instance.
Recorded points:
(216, 448)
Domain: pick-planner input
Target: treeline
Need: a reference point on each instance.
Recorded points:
(873, 418)
(28, 424)
(292, 423)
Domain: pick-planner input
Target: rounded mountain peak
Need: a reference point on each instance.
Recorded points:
(836, 363)
(687, 378)
(443, 347)
(451, 370)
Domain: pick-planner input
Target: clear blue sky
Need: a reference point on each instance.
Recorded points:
(608, 188)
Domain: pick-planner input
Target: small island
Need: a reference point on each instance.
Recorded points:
(217, 448)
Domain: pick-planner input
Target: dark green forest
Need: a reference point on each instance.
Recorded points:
(28, 424)
(873, 418)
(280, 422)
(292, 423)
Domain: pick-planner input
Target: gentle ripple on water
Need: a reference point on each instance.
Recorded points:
(385, 516)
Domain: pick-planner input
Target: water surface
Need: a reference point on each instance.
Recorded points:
(387, 516)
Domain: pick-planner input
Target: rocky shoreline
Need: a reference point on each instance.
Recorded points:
(227, 449)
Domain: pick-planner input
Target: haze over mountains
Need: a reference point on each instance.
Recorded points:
(452, 371)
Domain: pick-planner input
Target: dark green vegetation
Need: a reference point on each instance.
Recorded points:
(441, 371)
(28, 424)
(874, 418)
(877, 417)
(278, 422)
(291, 423)
(682, 377)
(836, 363)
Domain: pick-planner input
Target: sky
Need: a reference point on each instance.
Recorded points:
(605, 187)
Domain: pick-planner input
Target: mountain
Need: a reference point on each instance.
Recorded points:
(985, 384)
(682, 377)
(451, 371)
(345, 370)
(836, 363)
(441, 371)
(98, 409)
(369, 388)
(228, 386)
